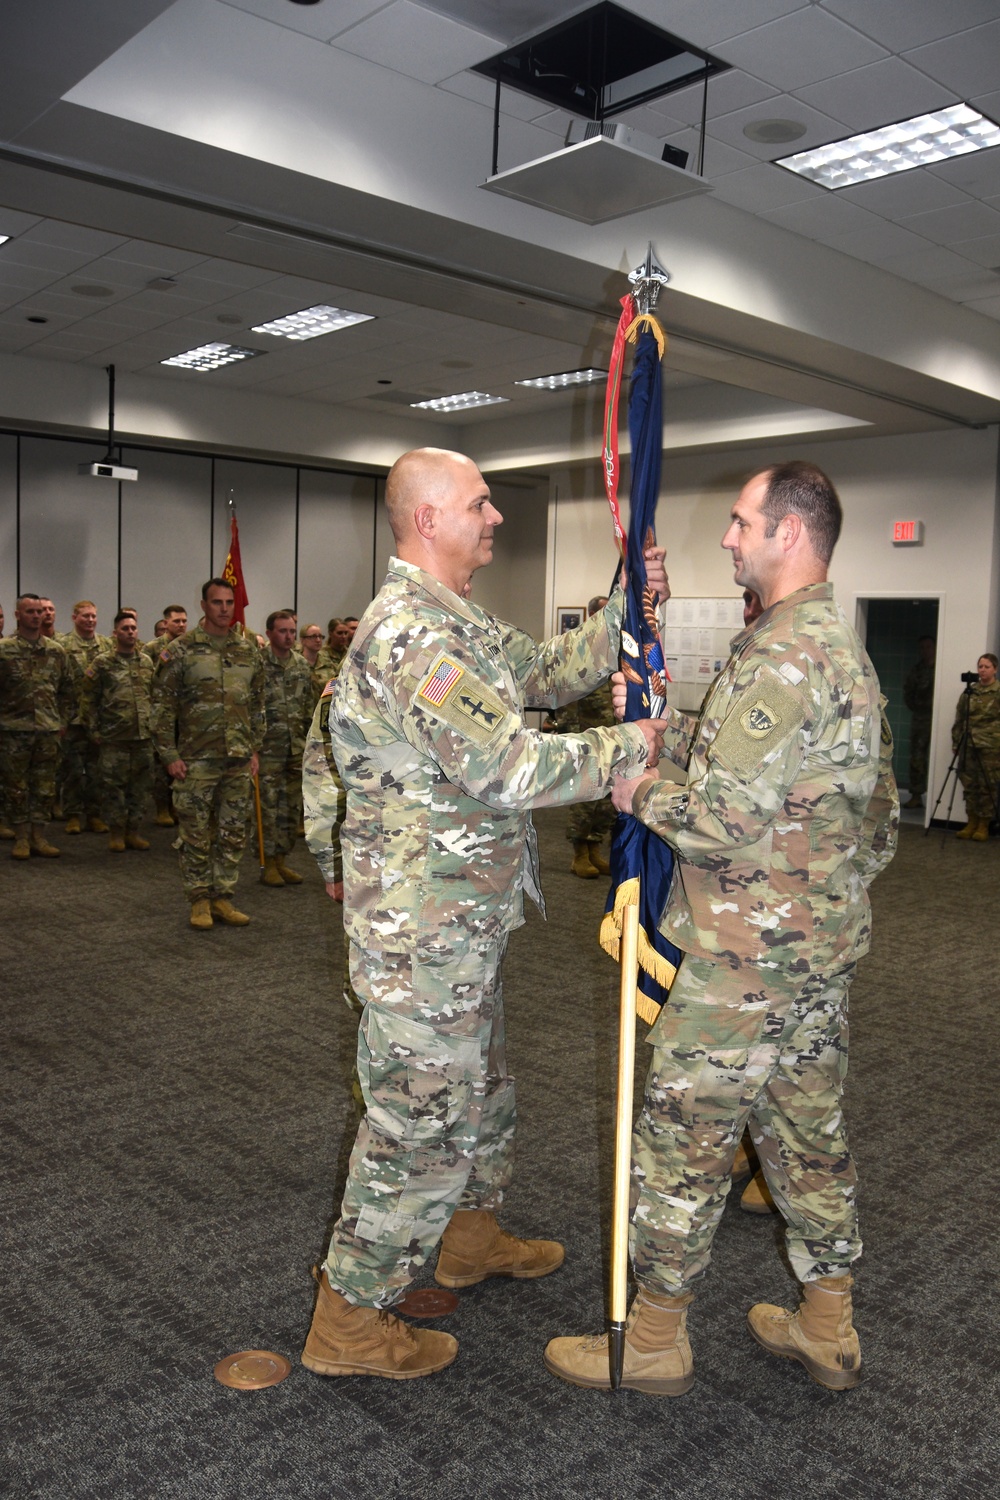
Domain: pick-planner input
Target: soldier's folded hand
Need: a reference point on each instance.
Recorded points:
(653, 731)
(624, 788)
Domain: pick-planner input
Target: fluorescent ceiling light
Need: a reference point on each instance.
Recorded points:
(464, 402)
(568, 377)
(954, 131)
(4, 238)
(311, 322)
(211, 357)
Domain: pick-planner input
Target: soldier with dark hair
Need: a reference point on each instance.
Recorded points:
(789, 811)
(37, 701)
(288, 702)
(115, 701)
(207, 725)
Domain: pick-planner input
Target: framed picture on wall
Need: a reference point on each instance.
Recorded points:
(570, 617)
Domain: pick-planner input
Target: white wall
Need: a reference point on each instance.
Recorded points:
(947, 480)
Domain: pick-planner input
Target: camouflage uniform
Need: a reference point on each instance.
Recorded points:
(208, 710)
(979, 772)
(918, 695)
(427, 728)
(79, 777)
(789, 812)
(37, 701)
(288, 701)
(329, 661)
(589, 821)
(115, 702)
(161, 781)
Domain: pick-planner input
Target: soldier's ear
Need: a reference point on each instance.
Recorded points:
(425, 520)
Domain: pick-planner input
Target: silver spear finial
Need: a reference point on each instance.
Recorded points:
(648, 279)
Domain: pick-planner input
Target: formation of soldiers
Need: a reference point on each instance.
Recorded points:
(94, 727)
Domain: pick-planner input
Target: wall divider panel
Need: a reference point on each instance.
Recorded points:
(337, 544)
(69, 528)
(166, 534)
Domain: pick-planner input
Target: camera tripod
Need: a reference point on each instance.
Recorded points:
(958, 762)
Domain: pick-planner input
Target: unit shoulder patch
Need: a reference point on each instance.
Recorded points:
(461, 701)
(765, 716)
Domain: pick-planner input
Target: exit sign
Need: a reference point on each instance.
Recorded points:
(907, 533)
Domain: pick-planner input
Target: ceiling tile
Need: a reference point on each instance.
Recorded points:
(509, 20)
(720, 157)
(904, 194)
(967, 63)
(989, 306)
(818, 218)
(987, 104)
(706, 25)
(876, 241)
(726, 92)
(159, 260)
(74, 237)
(819, 127)
(978, 173)
(985, 250)
(23, 251)
(13, 222)
(762, 187)
(984, 283)
(801, 49)
(963, 221)
(513, 104)
(928, 266)
(876, 95)
(322, 21)
(417, 42)
(902, 24)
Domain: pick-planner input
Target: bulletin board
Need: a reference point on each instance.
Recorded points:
(697, 636)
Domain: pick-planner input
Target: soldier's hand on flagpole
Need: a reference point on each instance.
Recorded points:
(253, 765)
(619, 694)
(656, 573)
(653, 731)
(624, 788)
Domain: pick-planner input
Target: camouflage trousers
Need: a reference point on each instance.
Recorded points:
(126, 776)
(79, 777)
(212, 804)
(280, 780)
(162, 788)
(590, 821)
(29, 762)
(731, 1047)
(980, 777)
(438, 1131)
(920, 744)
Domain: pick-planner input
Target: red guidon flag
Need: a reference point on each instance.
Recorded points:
(233, 574)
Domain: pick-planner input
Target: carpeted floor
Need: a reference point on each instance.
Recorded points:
(174, 1108)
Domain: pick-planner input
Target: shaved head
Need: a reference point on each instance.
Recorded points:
(422, 476)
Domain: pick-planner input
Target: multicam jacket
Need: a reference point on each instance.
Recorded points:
(37, 685)
(790, 807)
(115, 696)
(428, 732)
(288, 703)
(983, 707)
(81, 653)
(208, 698)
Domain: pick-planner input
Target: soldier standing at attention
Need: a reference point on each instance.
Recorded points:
(789, 812)
(48, 617)
(427, 726)
(337, 641)
(115, 702)
(81, 791)
(288, 703)
(175, 624)
(37, 701)
(207, 725)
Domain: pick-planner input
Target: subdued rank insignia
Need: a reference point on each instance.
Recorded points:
(758, 720)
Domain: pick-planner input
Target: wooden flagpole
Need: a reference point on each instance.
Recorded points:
(623, 1143)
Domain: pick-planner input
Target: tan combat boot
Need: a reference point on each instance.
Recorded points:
(22, 848)
(270, 875)
(658, 1356)
(40, 844)
(201, 915)
(968, 830)
(164, 818)
(741, 1164)
(474, 1247)
(73, 825)
(97, 825)
(224, 908)
(6, 832)
(289, 876)
(116, 843)
(597, 859)
(757, 1196)
(819, 1334)
(982, 830)
(581, 861)
(135, 840)
(349, 1340)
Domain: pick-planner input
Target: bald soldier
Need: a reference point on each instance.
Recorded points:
(441, 771)
(788, 812)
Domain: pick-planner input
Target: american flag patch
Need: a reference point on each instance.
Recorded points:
(441, 681)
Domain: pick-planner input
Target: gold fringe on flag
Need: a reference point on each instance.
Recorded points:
(646, 320)
(651, 962)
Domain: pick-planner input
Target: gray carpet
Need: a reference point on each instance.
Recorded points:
(174, 1108)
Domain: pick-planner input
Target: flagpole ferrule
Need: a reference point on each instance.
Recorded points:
(616, 1354)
